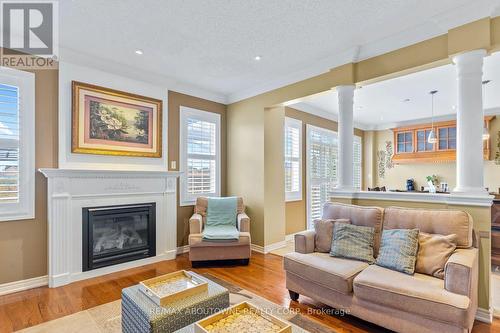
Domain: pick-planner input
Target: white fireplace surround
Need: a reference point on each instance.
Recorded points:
(69, 191)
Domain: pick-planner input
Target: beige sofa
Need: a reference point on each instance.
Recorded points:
(201, 250)
(404, 303)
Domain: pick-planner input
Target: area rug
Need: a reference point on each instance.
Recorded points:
(106, 318)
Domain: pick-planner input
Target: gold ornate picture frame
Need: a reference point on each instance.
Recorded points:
(112, 122)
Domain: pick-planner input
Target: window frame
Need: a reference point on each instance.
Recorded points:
(294, 123)
(186, 199)
(358, 140)
(334, 134)
(24, 209)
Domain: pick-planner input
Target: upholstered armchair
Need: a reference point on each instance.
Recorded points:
(203, 250)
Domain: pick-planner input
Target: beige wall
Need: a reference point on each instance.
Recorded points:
(296, 211)
(175, 101)
(395, 178)
(274, 190)
(482, 225)
(23, 244)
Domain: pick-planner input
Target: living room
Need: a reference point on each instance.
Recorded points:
(201, 166)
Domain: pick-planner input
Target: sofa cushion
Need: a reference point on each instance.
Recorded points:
(433, 253)
(398, 250)
(324, 233)
(353, 242)
(333, 273)
(420, 294)
(432, 221)
(358, 215)
(196, 240)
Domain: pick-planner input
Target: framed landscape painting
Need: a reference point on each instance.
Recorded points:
(112, 122)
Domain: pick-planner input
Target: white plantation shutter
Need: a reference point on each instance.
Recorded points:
(200, 154)
(9, 143)
(17, 140)
(293, 159)
(322, 152)
(357, 153)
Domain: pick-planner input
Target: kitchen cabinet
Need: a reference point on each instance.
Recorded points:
(411, 146)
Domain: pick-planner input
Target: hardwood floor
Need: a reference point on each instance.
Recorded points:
(264, 276)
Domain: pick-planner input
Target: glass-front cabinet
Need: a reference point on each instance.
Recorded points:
(411, 143)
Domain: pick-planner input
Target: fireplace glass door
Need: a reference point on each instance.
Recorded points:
(117, 234)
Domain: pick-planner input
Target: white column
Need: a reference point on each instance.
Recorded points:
(470, 119)
(346, 138)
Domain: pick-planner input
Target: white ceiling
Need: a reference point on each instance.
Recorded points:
(208, 47)
(385, 104)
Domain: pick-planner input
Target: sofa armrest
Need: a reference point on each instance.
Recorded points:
(195, 224)
(304, 241)
(461, 272)
(243, 222)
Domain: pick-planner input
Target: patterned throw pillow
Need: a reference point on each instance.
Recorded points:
(398, 250)
(353, 242)
(324, 233)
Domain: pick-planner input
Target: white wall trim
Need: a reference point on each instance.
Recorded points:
(268, 248)
(450, 199)
(182, 249)
(14, 287)
(486, 316)
(83, 59)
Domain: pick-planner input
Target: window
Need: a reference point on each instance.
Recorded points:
(293, 159)
(356, 163)
(447, 138)
(404, 142)
(17, 145)
(422, 137)
(322, 152)
(199, 154)
(322, 168)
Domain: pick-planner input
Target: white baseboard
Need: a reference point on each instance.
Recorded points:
(257, 248)
(13, 287)
(268, 248)
(182, 249)
(486, 316)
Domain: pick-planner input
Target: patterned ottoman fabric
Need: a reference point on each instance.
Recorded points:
(141, 314)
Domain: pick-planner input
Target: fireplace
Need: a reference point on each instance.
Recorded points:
(117, 234)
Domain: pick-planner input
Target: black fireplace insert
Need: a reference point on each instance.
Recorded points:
(117, 234)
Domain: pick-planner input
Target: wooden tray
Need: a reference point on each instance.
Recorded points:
(202, 326)
(168, 288)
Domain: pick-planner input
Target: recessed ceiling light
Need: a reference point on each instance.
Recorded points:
(453, 107)
(257, 58)
(139, 52)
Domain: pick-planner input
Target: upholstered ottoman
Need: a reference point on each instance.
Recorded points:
(141, 314)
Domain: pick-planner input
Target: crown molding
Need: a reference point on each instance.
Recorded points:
(436, 25)
(82, 59)
(304, 107)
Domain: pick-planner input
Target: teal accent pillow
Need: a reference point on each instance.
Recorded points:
(353, 242)
(398, 250)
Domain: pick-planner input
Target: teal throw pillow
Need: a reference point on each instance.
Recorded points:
(353, 242)
(398, 250)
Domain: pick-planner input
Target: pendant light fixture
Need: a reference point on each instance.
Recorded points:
(432, 138)
(486, 133)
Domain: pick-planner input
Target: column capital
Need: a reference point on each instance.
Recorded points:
(471, 57)
(347, 88)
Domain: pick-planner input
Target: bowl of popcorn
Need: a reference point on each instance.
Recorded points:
(242, 318)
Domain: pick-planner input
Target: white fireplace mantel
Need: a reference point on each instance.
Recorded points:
(69, 191)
